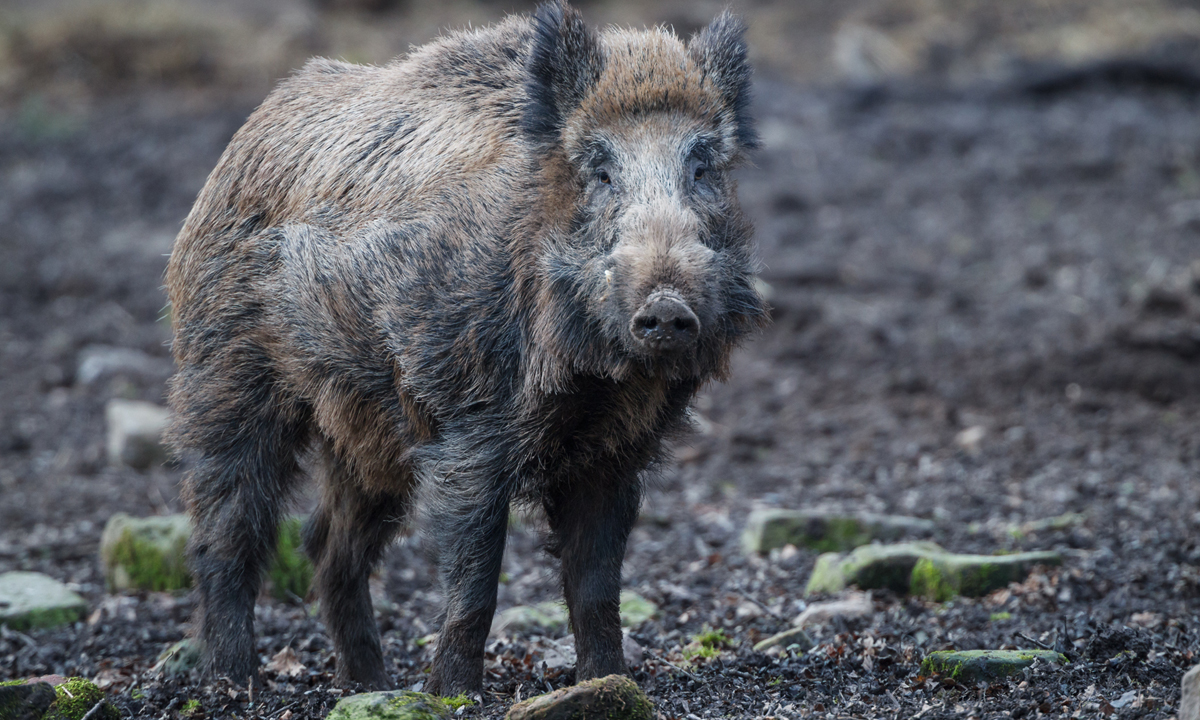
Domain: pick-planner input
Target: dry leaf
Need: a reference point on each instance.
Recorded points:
(286, 663)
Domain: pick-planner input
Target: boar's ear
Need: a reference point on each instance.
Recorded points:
(564, 62)
(720, 50)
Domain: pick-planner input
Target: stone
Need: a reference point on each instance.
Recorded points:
(21, 701)
(635, 609)
(547, 618)
(941, 577)
(1189, 700)
(972, 666)
(179, 659)
(856, 605)
(785, 640)
(145, 553)
(614, 697)
(390, 705)
(770, 528)
(32, 600)
(870, 567)
(97, 362)
(135, 432)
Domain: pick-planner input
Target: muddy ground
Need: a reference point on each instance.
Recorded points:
(1020, 256)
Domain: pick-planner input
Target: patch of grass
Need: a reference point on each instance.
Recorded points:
(706, 644)
(460, 700)
(191, 707)
(998, 616)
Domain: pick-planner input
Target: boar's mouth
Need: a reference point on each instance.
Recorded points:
(665, 324)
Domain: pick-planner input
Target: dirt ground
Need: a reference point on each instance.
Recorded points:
(1017, 254)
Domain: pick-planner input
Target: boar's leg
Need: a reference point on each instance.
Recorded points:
(346, 537)
(468, 519)
(590, 522)
(242, 438)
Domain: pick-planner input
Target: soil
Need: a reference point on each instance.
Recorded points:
(1018, 259)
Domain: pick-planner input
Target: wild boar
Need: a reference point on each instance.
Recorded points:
(494, 271)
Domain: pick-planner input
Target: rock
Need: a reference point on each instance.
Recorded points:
(390, 705)
(145, 553)
(771, 528)
(21, 701)
(855, 606)
(635, 609)
(923, 568)
(941, 577)
(150, 554)
(100, 361)
(786, 639)
(548, 618)
(615, 697)
(870, 567)
(1189, 701)
(972, 666)
(33, 600)
(135, 433)
(76, 697)
(179, 659)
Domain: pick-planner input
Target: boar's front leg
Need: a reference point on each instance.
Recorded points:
(590, 522)
(468, 520)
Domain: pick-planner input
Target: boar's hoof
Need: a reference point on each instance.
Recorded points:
(665, 324)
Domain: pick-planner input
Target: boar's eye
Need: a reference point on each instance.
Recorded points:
(698, 173)
(603, 176)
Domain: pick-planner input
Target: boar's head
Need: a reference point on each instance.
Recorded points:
(646, 260)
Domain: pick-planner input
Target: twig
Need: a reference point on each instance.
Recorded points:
(768, 610)
(95, 709)
(1026, 638)
(285, 708)
(685, 672)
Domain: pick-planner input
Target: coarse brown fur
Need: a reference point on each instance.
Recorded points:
(496, 270)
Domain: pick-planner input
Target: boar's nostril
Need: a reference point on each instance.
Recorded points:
(665, 323)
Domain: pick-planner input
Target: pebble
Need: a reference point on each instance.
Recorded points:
(100, 361)
(770, 528)
(615, 697)
(135, 432)
(786, 639)
(971, 666)
(33, 600)
(856, 605)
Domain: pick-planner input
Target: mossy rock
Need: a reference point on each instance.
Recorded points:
(32, 600)
(870, 567)
(941, 577)
(20, 700)
(770, 528)
(543, 617)
(179, 659)
(973, 666)
(151, 554)
(391, 705)
(614, 697)
(146, 553)
(75, 697)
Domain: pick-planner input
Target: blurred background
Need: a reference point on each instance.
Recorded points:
(979, 223)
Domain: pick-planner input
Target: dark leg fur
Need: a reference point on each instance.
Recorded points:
(345, 538)
(468, 528)
(590, 522)
(245, 469)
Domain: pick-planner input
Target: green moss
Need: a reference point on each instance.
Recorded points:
(191, 707)
(635, 609)
(75, 697)
(706, 644)
(458, 701)
(291, 574)
(998, 616)
(11, 682)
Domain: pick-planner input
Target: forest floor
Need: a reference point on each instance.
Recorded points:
(1017, 258)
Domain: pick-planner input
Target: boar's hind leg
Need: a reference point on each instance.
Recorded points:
(243, 439)
(346, 537)
(590, 523)
(466, 528)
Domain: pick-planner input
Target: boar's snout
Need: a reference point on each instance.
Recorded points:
(665, 323)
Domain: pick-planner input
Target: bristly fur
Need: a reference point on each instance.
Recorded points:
(416, 283)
